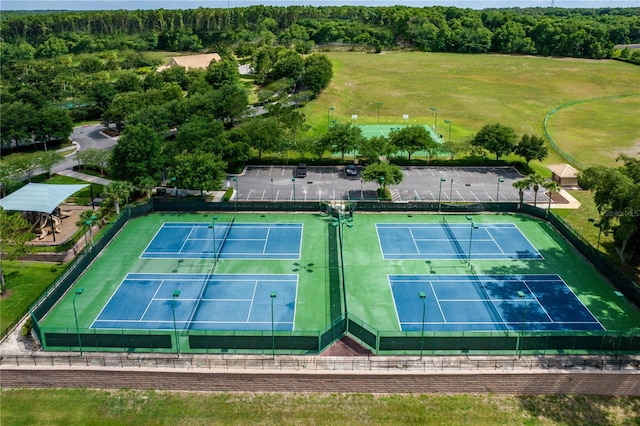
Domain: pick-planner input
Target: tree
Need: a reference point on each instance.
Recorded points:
(118, 191)
(201, 170)
(289, 64)
(383, 174)
(265, 134)
(410, 139)
(317, 73)
(521, 185)
(534, 181)
(222, 73)
(617, 197)
(531, 147)
(16, 123)
(146, 185)
(342, 138)
(374, 148)
(46, 160)
(552, 187)
(16, 233)
(137, 154)
(52, 123)
(455, 147)
(496, 138)
(92, 157)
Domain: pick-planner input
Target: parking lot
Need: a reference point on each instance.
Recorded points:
(468, 184)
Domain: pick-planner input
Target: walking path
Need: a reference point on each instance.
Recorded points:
(85, 177)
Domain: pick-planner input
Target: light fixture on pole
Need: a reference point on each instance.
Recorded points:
(500, 179)
(435, 119)
(235, 179)
(329, 116)
(75, 315)
(473, 226)
(294, 188)
(451, 192)
(524, 321)
(442, 179)
(272, 190)
(599, 226)
(620, 325)
(176, 294)
(422, 296)
(449, 123)
(379, 104)
(273, 335)
(361, 193)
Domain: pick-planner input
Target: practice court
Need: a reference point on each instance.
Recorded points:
(201, 302)
(226, 240)
(442, 241)
(488, 303)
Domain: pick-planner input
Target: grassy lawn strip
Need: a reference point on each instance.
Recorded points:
(25, 283)
(81, 406)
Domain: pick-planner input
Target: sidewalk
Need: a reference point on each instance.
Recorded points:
(85, 177)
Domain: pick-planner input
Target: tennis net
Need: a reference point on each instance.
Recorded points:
(212, 268)
(452, 237)
(216, 254)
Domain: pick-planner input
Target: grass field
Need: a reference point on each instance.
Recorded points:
(318, 300)
(85, 406)
(474, 90)
(25, 282)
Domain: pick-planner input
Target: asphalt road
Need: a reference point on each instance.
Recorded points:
(86, 137)
(471, 184)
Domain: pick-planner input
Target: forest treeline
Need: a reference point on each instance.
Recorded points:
(581, 33)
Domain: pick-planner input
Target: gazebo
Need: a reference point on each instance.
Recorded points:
(41, 198)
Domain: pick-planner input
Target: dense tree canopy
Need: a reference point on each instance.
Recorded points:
(617, 195)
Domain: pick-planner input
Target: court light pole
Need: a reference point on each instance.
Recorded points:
(599, 226)
(442, 179)
(89, 223)
(449, 123)
(451, 192)
(500, 179)
(620, 325)
(235, 179)
(75, 315)
(176, 294)
(329, 116)
(381, 185)
(422, 296)
(435, 119)
(379, 104)
(294, 189)
(272, 190)
(273, 335)
(524, 321)
(473, 226)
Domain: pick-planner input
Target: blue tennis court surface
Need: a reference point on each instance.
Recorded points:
(442, 241)
(230, 241)
(488, 303)
(205, 302)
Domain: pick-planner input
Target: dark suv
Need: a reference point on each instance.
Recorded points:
(352, 170)
(301, 170)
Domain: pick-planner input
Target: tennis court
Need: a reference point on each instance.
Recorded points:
(372, 130)
(444, 241)
(225, 240)
(201, 302)
(488, 303)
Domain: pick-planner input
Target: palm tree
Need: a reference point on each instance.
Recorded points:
(535, 180)
(118, 191)
(553, 187)
(521, 185)
(146, 185)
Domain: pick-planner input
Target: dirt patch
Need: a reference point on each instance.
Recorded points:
(7, 294)
(557, 198)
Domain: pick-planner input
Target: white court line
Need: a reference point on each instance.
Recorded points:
(186, 239)
(253, 297)
(435, 296)
(537, 301)
(151, 301)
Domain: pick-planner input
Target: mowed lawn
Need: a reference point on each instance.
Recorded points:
(473, 90)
